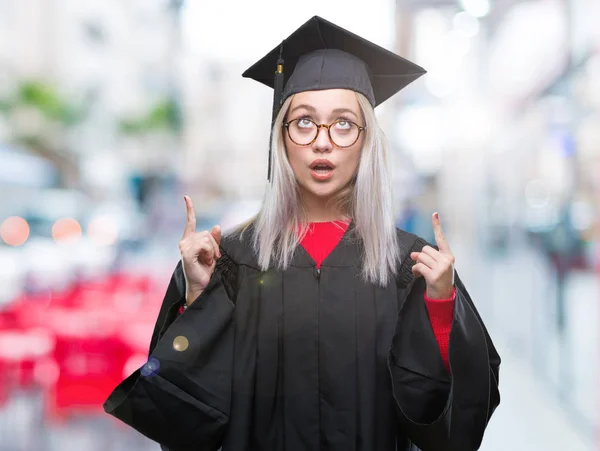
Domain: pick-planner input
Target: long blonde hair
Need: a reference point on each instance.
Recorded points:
(275, 232)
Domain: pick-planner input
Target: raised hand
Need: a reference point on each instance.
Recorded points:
(199, 254)
(436, 267)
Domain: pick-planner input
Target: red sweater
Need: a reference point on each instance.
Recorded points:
(323, 237)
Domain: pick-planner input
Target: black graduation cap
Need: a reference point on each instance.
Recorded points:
(321, 55)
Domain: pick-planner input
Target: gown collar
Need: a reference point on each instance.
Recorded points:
(346, 253)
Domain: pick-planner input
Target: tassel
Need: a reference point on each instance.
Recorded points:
(278, 91)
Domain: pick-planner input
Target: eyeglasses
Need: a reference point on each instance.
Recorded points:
(342, 133)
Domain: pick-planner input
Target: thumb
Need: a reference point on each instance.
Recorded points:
(216, 233)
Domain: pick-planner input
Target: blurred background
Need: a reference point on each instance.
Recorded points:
(111, 110)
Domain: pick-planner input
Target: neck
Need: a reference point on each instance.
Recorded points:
(318, 210)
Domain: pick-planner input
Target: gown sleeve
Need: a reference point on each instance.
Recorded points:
(440, 410)
(181, 396)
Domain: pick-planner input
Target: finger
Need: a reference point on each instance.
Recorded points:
(215, 244)
(427, 260)
(414, 255)
(420, 270)
(196, 248)
(433, 253)
(216, 233)
(440, 239)
(202, 245)
(206, 252)
(190, 224)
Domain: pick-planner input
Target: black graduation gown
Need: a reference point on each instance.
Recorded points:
(307, 360)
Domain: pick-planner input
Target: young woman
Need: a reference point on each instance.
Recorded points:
(318, 325)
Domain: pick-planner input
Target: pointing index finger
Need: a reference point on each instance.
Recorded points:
(440, 239)
(190, 223)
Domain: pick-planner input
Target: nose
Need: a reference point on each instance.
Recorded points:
(322, 143)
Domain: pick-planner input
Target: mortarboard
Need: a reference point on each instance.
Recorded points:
(321, 55)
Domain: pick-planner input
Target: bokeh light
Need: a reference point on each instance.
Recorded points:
(102, 230)
(151, 367)
(14, 231)
(466, 24)
(134, 363)
(476, 8)
(66, 229)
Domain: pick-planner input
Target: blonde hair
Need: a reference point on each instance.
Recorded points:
(275, 233)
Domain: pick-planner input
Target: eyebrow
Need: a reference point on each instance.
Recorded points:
(312, 110)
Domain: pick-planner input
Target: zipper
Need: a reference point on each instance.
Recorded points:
(317, 273)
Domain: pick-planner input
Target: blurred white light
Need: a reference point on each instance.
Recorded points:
(440, 84)
(431, 31)
(457, 48)
(537, 194)
(442, 50)
(238, 213)
(469, 124)
(420, 130)
(593, 73)
(476, 8)
(41, 342)
(276, 21)
(465, 24)
(582, 215)
(48, 265)
(542, 219)
(102, 231)
(12, 275)
(535, 55)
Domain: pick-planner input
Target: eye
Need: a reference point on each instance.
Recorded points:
(305, 122)
(343, 124)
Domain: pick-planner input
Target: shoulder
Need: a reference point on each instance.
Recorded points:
(236, 246)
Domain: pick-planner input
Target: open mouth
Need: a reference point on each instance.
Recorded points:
(322, 169)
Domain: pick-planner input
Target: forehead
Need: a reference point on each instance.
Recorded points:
(327, 100)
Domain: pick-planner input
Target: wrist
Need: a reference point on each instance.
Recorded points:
(447, 295)
(191, 296)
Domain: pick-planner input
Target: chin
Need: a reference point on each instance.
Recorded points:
(323, 190)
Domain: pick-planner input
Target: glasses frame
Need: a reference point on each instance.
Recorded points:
(286, 125)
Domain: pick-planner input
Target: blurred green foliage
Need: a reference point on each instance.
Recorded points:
(46, 99)
(163, 116)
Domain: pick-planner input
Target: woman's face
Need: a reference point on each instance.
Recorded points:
(323, 107)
